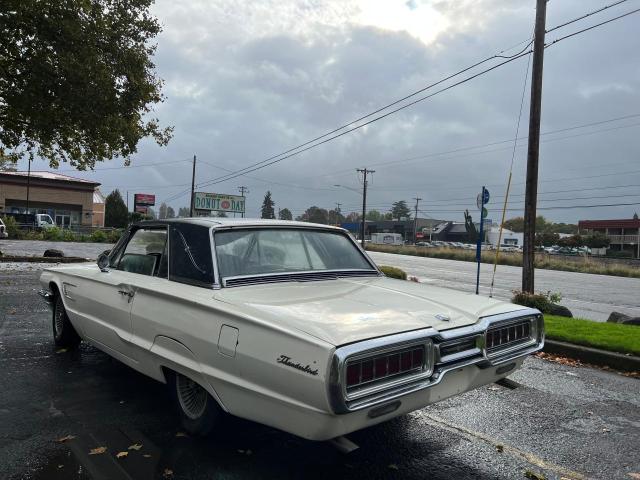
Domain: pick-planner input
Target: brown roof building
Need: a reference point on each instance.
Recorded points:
(69, 201)
(624, 234)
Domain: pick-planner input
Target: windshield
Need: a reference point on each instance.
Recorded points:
(277, 250)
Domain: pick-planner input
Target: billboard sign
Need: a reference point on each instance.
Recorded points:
(144, 199)
(218, 202)
(142, 209)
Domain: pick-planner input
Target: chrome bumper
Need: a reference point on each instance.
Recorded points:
(475, 354)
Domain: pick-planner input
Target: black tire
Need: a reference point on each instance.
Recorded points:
(64, 335)
(198, 412)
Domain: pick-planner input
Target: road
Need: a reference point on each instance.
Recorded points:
(586, 295)
(561, 422)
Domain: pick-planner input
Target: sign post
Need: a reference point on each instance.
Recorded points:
(482, 200)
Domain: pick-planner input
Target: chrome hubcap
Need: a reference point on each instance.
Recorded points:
(58, 320)
(192, 397)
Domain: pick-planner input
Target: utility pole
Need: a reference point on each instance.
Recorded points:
(127, 200)
(533, 150)
(415, 221)
(364, 172)
(193, 186)
(337, 212)
(28, 183)
(244, 190)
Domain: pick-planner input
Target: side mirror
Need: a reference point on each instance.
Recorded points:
(103, 262)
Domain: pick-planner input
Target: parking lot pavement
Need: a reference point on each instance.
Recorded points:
(586, 295)
(560, 422)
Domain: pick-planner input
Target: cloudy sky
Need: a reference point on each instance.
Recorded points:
(249, 80)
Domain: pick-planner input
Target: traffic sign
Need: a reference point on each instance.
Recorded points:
(479, 199)
(485, 212)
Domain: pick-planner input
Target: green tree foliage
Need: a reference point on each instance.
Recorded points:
(115, 210)
(268, 204)
(374, 216)
(597, 240)
(285, 214)
(77, 83)
(573, 241)
(547, 239)
(353, 217)
(335, 217)
(151, 213)
(171, 212)
(470, 227)
(162, 212)
(400, 210)
(314, 215)
(516, 224)
(183, 212)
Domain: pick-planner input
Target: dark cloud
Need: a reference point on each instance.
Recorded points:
(248, 81)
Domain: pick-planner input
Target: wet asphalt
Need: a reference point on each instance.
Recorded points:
(560, 421)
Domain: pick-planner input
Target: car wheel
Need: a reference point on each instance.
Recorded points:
(199, 413)
(64, 335)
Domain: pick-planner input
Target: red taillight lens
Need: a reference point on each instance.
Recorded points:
(394, 364)
(381, 367)
(367, 370)
(353, 374)
(418, 357)
(405, 361)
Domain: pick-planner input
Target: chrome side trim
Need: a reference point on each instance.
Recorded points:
(341, 403)
(299, 276)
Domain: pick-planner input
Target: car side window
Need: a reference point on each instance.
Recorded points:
(190, 259)
(144, 252)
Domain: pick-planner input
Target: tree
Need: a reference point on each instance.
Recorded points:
(573, 241)
(547, 239)
(267, 206)
(353, 217)
(335, 217)
(514, 224)
(470, 227)
(183, 212)
(115, 210)
(314, 215)
(151, 213)
(285, 214)
(77, 83)
(400, 210)
(171, 212)
(635, 216)
(374, 216)
(162, 213)
(597, 240)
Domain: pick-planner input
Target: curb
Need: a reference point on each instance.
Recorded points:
(7, 258)
(595, 356)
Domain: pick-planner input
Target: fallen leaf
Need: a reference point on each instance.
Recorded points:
(12, 311)
(167, 473)
(121, 454)
(500, 448)
(66, 438)
(393, 466)
(61, 350)
(97, 451)
(534, 476)
(60, 466)
(146, 455)
(181, 434)
(605, 430)
(135, 446)
(589, 413)
(635, 476)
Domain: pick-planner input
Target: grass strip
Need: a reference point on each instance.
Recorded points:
(613, 337)
(582, 265)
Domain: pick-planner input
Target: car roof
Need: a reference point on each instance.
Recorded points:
(221, 223)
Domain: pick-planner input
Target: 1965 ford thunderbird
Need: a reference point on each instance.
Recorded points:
(284, 323)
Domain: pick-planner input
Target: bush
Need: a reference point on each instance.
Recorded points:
(12, 228)
(98, 236)
(545, 302)
(52, 234)
(393, 272)
(114, 235)
(68, 236)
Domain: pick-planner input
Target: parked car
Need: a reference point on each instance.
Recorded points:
(288, 324)
(3, 230)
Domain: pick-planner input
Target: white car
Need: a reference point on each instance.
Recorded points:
(284, 323)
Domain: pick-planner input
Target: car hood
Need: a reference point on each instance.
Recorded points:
(348, 310)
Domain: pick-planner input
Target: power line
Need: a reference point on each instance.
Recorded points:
(585, 16)
(592, 27)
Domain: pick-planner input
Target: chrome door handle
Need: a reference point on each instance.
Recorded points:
(127, 293)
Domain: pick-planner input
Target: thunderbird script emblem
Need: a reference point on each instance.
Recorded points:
(283, 359)
(442, 317)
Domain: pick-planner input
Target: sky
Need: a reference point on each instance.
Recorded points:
(245, 81)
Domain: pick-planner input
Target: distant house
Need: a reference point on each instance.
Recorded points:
(508, 237)
(623, 234)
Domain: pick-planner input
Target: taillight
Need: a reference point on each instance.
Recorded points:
(384, 365)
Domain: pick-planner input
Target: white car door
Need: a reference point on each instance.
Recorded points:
(105, 299)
